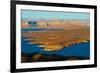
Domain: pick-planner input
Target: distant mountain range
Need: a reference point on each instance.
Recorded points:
(54, 23)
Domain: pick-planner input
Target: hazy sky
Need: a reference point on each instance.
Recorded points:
(52, 15)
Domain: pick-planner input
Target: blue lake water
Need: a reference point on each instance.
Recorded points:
(80, 50)
(37, 29)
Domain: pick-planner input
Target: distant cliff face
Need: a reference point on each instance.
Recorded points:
(64, 24)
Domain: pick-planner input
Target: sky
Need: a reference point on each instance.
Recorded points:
(40, 14)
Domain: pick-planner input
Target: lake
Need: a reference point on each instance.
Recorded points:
(81, 49)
